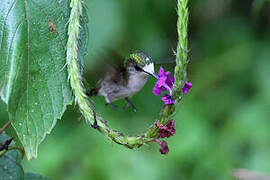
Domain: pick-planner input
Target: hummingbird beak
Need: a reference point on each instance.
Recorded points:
(149, 69)
(151, 74)
(154, 75)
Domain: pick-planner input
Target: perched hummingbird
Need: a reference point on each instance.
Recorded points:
(126, 80)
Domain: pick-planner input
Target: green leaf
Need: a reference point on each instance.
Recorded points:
(33, 76)
(10, 167)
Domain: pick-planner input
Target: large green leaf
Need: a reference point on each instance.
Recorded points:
(33, 76)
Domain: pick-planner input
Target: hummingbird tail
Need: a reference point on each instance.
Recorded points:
(92, 92)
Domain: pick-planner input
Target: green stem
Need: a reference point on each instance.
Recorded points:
(2, 153)
(5, 126)
(182, 48)
(84, 104)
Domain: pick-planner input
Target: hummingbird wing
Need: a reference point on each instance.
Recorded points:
(106, 62)
(109, 69)
(117, 75)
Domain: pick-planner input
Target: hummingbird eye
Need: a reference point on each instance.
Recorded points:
(138, 68)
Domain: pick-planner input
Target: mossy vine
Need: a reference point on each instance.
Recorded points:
(85, 105)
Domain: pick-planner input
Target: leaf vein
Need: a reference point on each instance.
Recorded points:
(27, 82)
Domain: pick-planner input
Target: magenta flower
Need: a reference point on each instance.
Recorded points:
(164, 83)
(164, 147)
(167, 99)
(186, 87)
(166, 130)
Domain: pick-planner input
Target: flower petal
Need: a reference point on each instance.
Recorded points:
(161, 72)
(186, 87)
(167, 99)
(166, 130)
(164, 147)
(164, 82)
(156, 91)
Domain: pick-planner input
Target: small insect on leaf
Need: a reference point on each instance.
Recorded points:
(51, 26)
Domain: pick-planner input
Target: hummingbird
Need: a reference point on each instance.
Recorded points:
(125, 80)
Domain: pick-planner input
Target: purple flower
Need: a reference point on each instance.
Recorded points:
(164, 83)
(186, 87)
(167, 99)
(167, 130)
(164, 147)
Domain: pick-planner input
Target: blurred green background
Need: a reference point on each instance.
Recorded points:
(222, 124)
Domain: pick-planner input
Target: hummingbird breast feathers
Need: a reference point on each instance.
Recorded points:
(116, 86)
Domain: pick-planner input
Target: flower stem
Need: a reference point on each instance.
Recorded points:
(182, 48)
(4, 127)
(22, 152)
(81, 98)
(77, 86)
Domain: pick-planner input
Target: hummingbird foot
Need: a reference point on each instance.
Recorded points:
(113, 106)
(129, 103)
(95, 125)
(110, 103)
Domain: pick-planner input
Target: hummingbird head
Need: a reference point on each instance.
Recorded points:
(141, 62)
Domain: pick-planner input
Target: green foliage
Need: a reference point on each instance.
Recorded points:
(34, 79)
(33, 76)
(223, 123)
(11, 168)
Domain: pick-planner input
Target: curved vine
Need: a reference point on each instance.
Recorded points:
(85, 105)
